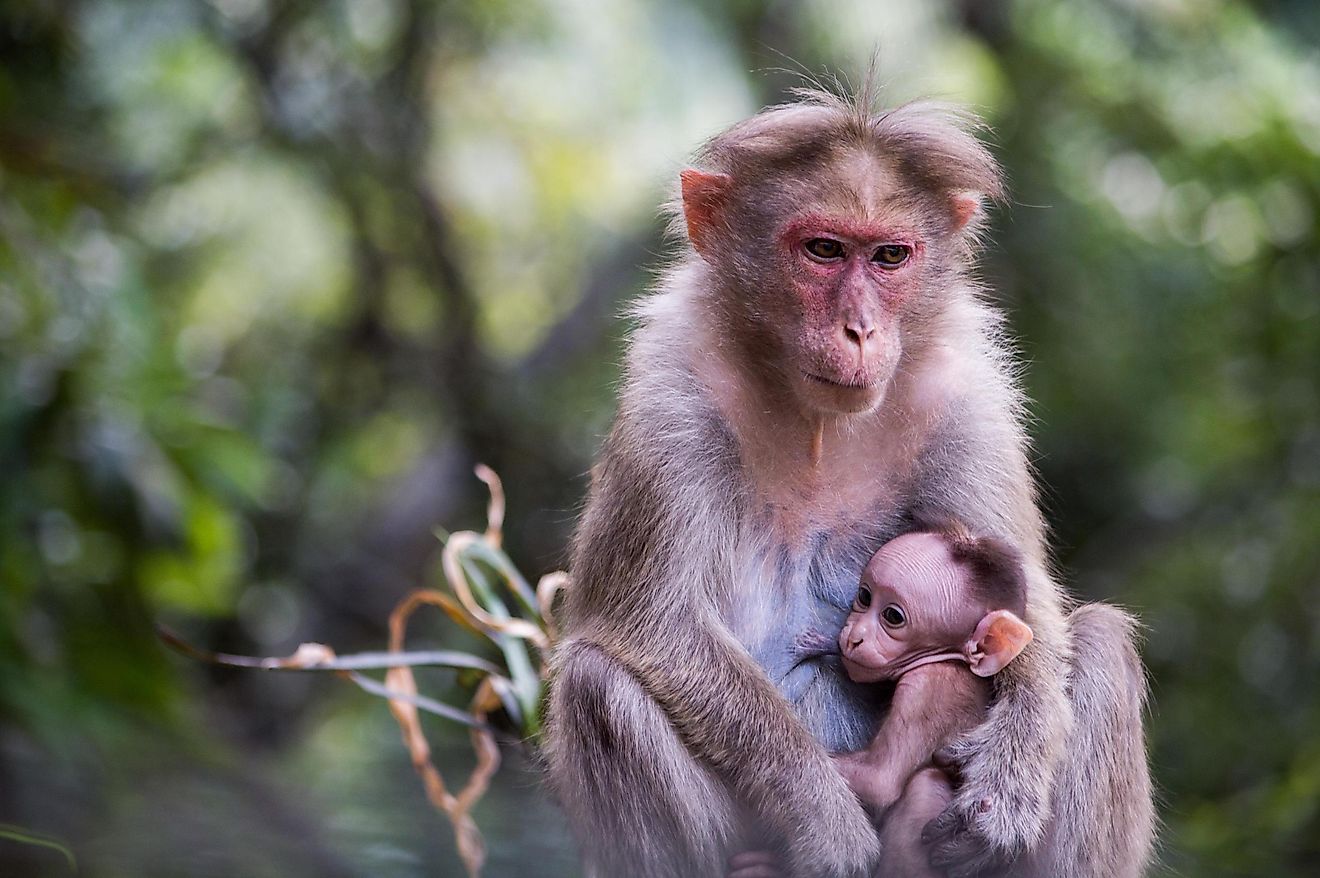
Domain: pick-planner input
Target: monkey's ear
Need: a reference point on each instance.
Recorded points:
(703, 201)
(999, 638)
(966, 206)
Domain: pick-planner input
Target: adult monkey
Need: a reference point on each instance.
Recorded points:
(814, 375)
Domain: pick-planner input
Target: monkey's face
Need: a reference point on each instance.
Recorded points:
(850, 262)
(826, 269)
(847, 281)
(912, 608)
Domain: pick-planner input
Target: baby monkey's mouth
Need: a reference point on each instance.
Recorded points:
(863, 673)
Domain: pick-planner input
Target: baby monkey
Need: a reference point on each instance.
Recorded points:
(937, 613)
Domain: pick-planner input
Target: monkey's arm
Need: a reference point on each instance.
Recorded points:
(644, 592)
(975, 469)
(731, 718)
(931, 705)
(1008, 764)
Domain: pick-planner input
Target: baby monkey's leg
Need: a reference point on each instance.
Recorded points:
(924, 798)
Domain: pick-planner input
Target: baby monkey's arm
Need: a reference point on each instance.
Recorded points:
(932, 704)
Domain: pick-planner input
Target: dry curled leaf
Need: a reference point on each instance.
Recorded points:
(451, 562)
(517, 693)
(547, 589)
(456, 807)
(494, 508)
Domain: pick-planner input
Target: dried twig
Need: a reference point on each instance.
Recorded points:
(494, 690)
(456, 807)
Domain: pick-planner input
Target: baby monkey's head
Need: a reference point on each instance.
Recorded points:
(932, 596)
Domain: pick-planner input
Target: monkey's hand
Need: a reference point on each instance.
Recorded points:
(1003, 772)
(960, 851)
(991, 821)
(836, 839)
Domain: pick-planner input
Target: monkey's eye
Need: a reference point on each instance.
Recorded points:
(824, 248)
(894, 616)
(891, 255)
(863, 600)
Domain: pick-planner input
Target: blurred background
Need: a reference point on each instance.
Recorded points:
(275, 275)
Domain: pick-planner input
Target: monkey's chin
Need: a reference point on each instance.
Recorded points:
(862, 673)
(826, 396)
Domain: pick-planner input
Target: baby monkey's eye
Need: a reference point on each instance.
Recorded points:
(863, 598)
(824, 248)
(894, 616)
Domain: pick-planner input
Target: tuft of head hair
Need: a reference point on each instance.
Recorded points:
(996, 569)
(934, 144)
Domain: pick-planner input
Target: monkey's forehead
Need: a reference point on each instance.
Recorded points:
(915, 546)
(846, 186)
(916, 564)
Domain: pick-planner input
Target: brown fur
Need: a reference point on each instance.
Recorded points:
(726, 511)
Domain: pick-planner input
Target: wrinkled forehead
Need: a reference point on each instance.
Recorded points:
(863, 184)
(915, 565)
(853, 182)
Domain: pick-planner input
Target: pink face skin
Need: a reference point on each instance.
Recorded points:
(853, 259)
(912, 608)
(851, 277)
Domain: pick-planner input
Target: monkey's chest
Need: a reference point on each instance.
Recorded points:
(788, 609)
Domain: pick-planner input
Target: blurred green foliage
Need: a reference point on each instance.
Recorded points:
(274, 275)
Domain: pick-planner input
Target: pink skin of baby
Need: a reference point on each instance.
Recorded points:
(938, 613)
(923, 601)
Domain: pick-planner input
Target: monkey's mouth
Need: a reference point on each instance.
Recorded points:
(858, 383)
(862, 673)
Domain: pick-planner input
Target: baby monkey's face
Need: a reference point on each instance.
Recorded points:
(912, 607)
(917, 605)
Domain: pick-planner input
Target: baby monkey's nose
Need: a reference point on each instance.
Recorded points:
(854, 642)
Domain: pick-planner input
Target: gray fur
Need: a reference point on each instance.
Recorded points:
(1105, 762)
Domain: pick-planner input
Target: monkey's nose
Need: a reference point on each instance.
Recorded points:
(854, 643)
(859, 331)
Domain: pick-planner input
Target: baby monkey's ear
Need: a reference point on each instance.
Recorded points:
(998, 639)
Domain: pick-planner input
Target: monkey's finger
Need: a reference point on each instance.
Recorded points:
(952, 855)
(951, 846)
(949, 760)
(983, 861)
(943, 827)
(965, 854)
